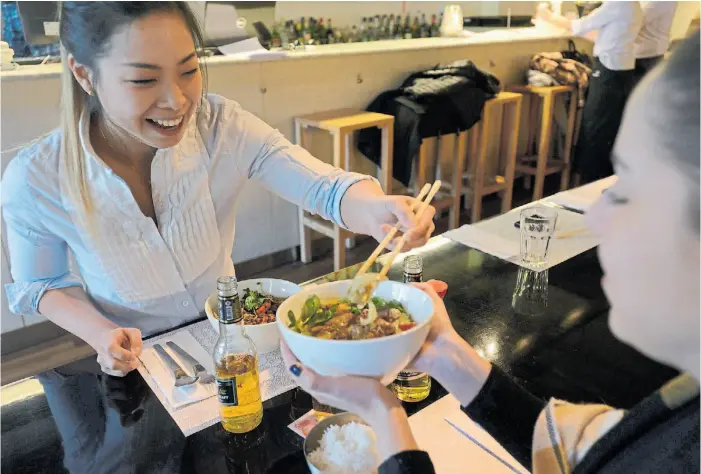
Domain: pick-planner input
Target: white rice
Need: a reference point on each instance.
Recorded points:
(347, 449)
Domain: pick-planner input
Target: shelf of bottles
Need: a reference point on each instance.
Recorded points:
(310, 31)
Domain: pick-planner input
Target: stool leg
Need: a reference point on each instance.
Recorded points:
(472, 158)
(477, 188)
(305, 238)
(386, 158)
(459, 166)
(533, 115)
(339, 249)
(509, 133)
(421, 167)
(569, 139)
(347, 138)
(340, 160)
(546, 124)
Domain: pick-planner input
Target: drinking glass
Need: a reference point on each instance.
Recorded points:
(530, 296)
(537, 228)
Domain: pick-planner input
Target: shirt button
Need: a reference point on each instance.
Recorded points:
(185, 303)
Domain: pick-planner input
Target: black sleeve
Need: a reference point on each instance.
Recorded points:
(408, 462)
(508, 412)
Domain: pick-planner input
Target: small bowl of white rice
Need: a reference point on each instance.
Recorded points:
(341, 444)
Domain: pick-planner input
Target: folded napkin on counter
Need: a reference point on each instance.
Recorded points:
(178, 397)
(458, 445)
(486, 242)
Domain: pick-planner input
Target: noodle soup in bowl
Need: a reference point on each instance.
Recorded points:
(371, 354)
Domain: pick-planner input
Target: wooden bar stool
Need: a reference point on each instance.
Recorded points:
(341, 124)
(544, 98)
(479, 136)
(450, 147)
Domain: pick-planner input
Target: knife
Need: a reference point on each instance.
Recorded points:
(197, 368)
(566, 208)
(180, 376)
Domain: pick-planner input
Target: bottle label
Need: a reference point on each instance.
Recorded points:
(413, 277)
(226, 390)
(230, 309)
(407, 376)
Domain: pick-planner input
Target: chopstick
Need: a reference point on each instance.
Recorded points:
(572, 233)
(424, 205)
(388, 238)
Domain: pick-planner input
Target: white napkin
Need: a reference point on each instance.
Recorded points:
(487, 242)
(178, 397)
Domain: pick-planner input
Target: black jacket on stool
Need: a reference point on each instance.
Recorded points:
(443, 100)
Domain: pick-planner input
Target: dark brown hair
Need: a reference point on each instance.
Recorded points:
(682, 133)
(86, 29)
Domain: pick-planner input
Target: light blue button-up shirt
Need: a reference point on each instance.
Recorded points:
(139, 274)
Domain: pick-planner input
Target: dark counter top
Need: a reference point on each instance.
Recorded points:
(116, 425)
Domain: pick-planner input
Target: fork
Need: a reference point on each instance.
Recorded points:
(180, 376)
(197, 368)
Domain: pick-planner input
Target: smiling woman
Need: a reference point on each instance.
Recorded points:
(141, 182)
(141, 92)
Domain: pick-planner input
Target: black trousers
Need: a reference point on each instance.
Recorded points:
(643, 66)
(601, 118)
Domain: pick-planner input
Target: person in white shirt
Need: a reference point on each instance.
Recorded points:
(653, 40)
(617, 25)
(142, 179)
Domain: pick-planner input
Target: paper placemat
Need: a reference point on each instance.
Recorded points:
(473, 451)
(499, 237)
(274, 380)
(487, 242)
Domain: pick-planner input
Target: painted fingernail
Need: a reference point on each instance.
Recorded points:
(296, 370)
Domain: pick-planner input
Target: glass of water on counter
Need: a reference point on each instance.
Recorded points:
(537, 228)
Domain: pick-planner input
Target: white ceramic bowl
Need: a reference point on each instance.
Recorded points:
(265, 336)
(383, 357)
(313, 439)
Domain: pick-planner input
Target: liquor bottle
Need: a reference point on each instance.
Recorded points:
(376, 29)
(320, 32)
(412, 386)
(397, 33)
(406, 31)
(415, 28)
(236, 362)
(423, 28)
(299, 35)
(306, 31)
(353, 35)
(389, 28)
(434, 31)
(275, 40)
(363, 30)
(330, 36)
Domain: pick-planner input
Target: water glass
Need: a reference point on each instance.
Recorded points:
(530, 296)
(537, 228)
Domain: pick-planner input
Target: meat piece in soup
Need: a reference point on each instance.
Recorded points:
(340, 319)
